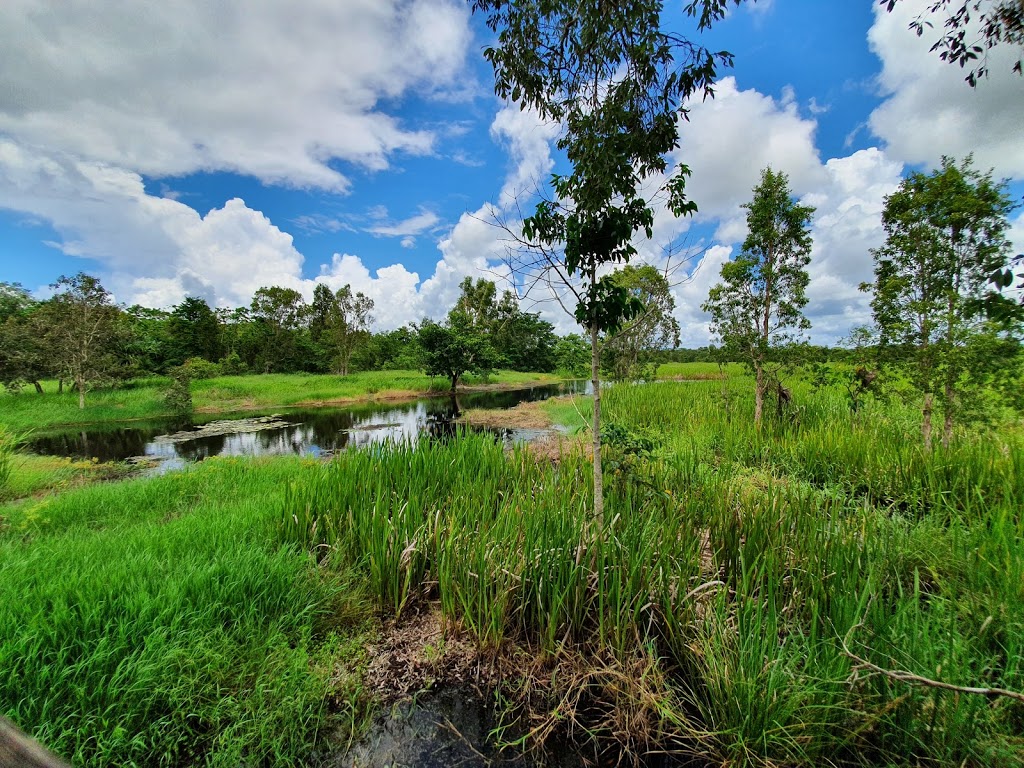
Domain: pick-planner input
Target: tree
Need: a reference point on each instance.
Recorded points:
(348, 325)
(195, 331)
(526, 342)
(757, 308)
(629, 354)
(933, 299)
(454, 349)
(572, 356)
(616, 82)
(994, 22)
(81, 331)
(23, 358)
(280, 312)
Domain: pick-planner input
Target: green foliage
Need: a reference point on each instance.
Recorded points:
(178, 397)
(9, 443)
(157, 622)
(455, 349)
(82, 332)
(194, 331)
(933, 300)
(232, 365)
(572, 356)
(200, 368)
(628, 354)
(757, 308)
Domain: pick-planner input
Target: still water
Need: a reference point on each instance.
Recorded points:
(313, 432)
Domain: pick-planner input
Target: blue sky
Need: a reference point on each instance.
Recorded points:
(209, 149)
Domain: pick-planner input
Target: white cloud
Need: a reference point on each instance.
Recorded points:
(730, 139)
(930, 111)
(414, 225)
(528, 139)
(266, 89)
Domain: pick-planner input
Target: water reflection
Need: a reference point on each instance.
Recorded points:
(308, 432)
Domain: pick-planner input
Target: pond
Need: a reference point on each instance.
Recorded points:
(283, 431)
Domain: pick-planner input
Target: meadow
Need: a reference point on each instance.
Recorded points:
(819, 592)
(144, 398)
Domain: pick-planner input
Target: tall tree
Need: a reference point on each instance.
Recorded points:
(195, 331)
(81, 331)
(933, 298)
(757, 308)
(279, 312)
(616, 82)
(629, 354)
(349, 325)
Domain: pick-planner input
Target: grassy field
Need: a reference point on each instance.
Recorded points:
(143, 398)
(747, 593)
(162, 622)
(783, 597)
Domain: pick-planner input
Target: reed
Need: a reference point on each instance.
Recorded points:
(737, 573)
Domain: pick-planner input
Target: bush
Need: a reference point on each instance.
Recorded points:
(198, 368)
(232, 365)
(178, 397)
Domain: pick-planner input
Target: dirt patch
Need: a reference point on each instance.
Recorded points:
(554, 446)
(423, 651)
(522, 416)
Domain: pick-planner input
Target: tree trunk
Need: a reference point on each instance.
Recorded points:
(38, 386)
(60, 386)
(926, 421)
(947, 412)
(455, 381)
(759, 388)
(595, 378)
(81, 393)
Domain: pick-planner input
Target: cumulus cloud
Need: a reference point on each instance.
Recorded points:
(263, 89)
(930, 111)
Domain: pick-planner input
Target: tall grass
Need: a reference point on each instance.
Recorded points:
(8, 445)
(158, 622)
(716, 611)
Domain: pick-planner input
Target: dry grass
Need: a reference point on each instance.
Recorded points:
(522, 416)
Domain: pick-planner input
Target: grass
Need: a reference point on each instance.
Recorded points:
(159, 622)
(143, 398)
(717, 610)
(720, 612)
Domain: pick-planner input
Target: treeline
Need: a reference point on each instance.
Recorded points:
(82, 339)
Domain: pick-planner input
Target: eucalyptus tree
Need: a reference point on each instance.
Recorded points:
(758, 307)
(616, 82)
(934, 302)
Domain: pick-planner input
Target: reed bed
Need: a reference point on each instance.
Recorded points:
(730, 606)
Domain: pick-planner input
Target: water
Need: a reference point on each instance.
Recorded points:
(309, 432)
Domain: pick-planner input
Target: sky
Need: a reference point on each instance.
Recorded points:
(209, 148)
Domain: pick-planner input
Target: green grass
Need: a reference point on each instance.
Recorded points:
(202, 616)
(160, 622)
(143, 398)
(712, 611)
(698, 371)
